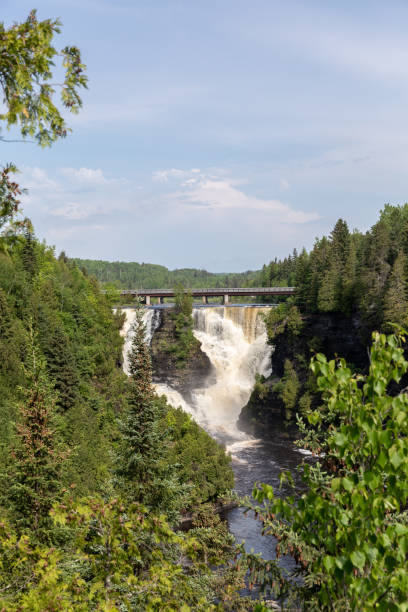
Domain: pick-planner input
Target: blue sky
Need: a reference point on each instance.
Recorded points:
(221, 133)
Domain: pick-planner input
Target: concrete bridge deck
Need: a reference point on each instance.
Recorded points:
(226, 293)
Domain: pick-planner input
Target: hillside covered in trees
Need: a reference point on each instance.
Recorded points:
(132, 275)
(352, 273)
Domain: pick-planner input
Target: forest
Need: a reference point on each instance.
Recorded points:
(132, 275)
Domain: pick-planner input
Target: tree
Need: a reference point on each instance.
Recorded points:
(29, 254)
(348, 294)
(348, 531)
(340, 240)
(395, 298)
(33, 479)
(27, 57)
(61, 365)
(142, 444)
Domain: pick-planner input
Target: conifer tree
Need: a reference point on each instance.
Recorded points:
(61, 366)
(349, 280)
(329, 290)
(340, 241)
(28, 254)
(142, 445)
(33, 480)
(375, 273)
(395, 299)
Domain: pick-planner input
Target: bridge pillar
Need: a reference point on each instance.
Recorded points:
(226, 299)
(160, 300)
(147, 300)
(205, 299)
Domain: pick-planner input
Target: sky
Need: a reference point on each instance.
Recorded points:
(220, 134)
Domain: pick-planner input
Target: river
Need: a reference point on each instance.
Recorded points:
(234, 338)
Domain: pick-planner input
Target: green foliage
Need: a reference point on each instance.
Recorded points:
(132, 275)
(123, 559)
(395, 298)
(284, 316)
(139, 460)
(348, 531)
(9, 201)
(201, 462)
(33, 478)
(260, 390)
(26, 61)
(184, 341)
(288, 387)
(183, 301)
(78, 335)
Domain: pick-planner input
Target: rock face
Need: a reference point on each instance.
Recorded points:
(332, 334)
(193, 372)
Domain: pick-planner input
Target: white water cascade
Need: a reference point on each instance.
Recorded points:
(151, 319)
(234, 339)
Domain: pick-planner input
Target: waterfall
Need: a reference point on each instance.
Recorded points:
(234, 338)
(151, 318)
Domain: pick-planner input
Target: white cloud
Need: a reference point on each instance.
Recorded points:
(163, 176)
(72, 210)
(223, 195)
(85, 175)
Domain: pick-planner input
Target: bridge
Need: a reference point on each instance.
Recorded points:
(225, 293)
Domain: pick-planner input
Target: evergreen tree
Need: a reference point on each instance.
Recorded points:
(303, 279)
(349, 280)
(29, 254)
(375, 273)
(327, 300)
(61, 366)
(33, 480)
(340, 241)
(142, 445)
(395, 299)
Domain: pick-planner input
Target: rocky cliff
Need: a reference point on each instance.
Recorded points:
(182, 375)
(332, 334)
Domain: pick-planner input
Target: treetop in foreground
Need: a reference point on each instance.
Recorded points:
(349, 531)
(27, 61)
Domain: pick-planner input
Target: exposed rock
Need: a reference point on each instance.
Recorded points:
(332, 334)
(192, 373)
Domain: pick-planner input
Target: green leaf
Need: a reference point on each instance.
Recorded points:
(328, 563)
(358, 559)
(396, 458)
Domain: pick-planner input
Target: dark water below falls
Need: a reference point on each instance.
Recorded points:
(262, 461)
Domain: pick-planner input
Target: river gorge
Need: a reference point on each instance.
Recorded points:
(234, 340)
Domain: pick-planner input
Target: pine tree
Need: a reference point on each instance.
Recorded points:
(142, 445)
(395, 299)
(375, 273)
(33, 480)
(340, 241)
(61, 366)
(29, 254)
(329, 290)
(347, 297)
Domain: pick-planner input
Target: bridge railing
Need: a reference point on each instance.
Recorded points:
(212, 291)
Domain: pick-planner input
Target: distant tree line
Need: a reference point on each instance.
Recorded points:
(133, 275)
